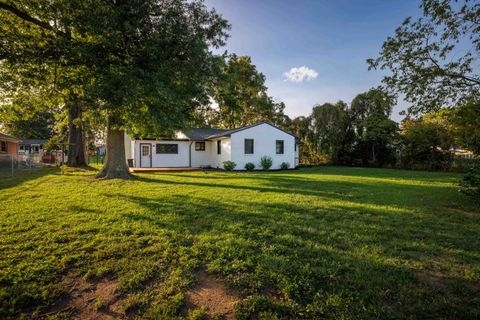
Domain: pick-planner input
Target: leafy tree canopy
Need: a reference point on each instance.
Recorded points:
(433, 60)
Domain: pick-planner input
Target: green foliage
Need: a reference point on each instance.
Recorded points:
(465, 121)
(229, 165)
(426, 144)
(470, 184)
(266, 162)
(432, 60)
(249, 166)
(329, 129)
(317, 243)
(144, 66)
(375, 132)
(242, 96)
(285, 166)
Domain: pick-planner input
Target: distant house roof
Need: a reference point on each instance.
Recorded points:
(33, 141)
(6, 137)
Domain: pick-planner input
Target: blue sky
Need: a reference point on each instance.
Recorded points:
(333, 38)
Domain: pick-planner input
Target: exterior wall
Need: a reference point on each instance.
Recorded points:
(203, 158)
(128, 147)
(264, 136)
(180, 159)
(12, 148)
(226, 155)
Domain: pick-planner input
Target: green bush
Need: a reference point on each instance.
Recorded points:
(229, 165)
(465, 165)
(470, 185)
(266, 162)
(285, 166)
(249, 166)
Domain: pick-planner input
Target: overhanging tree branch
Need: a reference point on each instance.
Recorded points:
(26, 17)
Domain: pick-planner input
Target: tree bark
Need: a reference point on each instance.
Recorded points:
(76, 144)
(115, 166)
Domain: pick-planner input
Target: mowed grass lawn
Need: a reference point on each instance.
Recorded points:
(317, 243)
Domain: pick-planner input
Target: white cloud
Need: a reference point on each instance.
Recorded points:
(300, 74)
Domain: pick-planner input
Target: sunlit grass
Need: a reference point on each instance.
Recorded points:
(329, 242)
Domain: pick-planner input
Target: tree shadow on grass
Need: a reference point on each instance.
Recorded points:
(369, 261)
(25, 176)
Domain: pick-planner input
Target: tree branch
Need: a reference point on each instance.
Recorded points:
(26, 17)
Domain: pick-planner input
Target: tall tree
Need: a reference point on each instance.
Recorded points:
(37, 69)
(145, 64)
(433, 61)
(242, 96)
(329, 125)
(370, 112)
(426, 143)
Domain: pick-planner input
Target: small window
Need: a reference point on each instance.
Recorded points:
(248, 146)
(279, 146)
(219, 147)
(199, 146)
(145, 150)
(4, 146)
(167, 148)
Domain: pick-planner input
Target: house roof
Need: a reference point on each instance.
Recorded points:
(228, 133)
(6, 137)
(202, 133)
(34, 141)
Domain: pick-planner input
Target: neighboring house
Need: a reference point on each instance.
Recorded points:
(207, 147)
(8, 144)
(30, 146)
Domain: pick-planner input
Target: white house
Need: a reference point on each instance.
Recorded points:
(210, 148)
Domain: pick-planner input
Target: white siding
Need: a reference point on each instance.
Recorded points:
(226, 155)
(181, 159)
(203, 158)
(264, 136)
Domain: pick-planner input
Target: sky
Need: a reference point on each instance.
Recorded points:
(314, 51)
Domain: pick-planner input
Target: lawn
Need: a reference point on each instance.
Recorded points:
(316, 243)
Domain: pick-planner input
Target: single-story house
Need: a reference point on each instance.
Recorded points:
(29, 146)
(8, 144)
(210, 148)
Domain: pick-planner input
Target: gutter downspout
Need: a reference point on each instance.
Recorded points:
(190, 155)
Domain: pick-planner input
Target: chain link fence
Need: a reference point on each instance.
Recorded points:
(12, 164)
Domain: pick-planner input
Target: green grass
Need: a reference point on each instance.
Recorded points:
(329, 242)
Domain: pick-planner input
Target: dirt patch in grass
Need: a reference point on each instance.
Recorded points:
(87, 301)
(434, 280)
(212, 294)
(471, 214)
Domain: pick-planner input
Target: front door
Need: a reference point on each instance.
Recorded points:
(145, 155)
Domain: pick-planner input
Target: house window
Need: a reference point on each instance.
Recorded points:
(219, 147)
(199, 146)
(4, 146)
(248, 146)
(279, 146)
(145, 150)
(167, 148)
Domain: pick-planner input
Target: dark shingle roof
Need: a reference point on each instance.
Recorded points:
(202, 133)
(6, 137)
(34, 141)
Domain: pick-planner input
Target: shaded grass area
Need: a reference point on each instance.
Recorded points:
(314, 243)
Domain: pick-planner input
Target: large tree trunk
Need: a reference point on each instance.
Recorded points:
(76, 145)
(115, 166)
